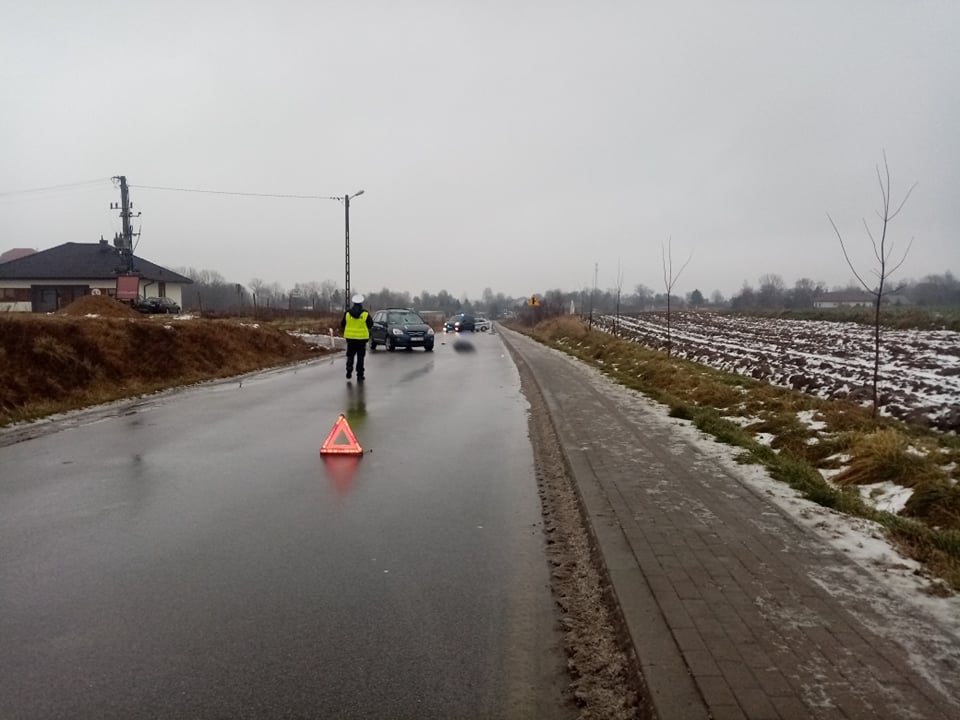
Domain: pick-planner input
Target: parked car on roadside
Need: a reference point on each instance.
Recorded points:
(153, 305)
(481, 324)
(461, 322)
(400, 327)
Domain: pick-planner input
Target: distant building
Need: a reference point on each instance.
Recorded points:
(49, 280)
(844, 298)
(15, 254)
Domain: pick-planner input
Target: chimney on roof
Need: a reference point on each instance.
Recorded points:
(104, 245)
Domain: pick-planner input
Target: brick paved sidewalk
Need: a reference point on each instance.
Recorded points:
(725, 596)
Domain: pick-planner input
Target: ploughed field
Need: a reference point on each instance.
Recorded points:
(919, 369)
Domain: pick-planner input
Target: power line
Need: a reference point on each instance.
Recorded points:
(227, 192)
(67, 186)
(53, 187)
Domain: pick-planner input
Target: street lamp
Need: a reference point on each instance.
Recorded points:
(345, 199)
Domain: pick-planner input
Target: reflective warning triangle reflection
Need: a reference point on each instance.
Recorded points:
(341, 429)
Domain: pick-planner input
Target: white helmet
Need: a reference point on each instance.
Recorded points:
(358, 299)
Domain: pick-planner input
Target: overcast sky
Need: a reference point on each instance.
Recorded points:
(510, 144)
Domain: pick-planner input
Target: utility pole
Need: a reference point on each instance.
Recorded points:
(596, 267)
(346, 225)
(345, 199)
(124, 242)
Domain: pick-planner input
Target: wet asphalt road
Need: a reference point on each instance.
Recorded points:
(197, 558)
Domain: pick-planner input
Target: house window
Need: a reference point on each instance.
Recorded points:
(162, 289)
(15, 294)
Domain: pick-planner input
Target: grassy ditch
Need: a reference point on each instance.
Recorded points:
(830, 451)
(104, 352)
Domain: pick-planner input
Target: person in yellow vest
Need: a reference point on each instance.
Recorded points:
(356, 324)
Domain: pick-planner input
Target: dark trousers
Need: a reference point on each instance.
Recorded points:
(356, 349)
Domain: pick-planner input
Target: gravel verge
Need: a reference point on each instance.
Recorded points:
(606, 681)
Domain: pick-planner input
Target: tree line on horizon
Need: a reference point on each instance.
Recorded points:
(212, 292)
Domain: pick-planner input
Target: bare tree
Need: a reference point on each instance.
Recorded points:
(644, 296)
(330, 295)
(669, 280)
(886, 266)
(277, 294)
(804, 293)
(256, 286)
(770, 294)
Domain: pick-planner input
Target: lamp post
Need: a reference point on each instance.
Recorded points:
(345, 199)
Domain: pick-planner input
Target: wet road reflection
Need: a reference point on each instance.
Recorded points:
(341, 471)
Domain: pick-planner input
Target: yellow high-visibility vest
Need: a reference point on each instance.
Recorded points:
(356, 328)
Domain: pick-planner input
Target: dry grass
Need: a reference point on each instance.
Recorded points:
(53, 363)
(735, 409)
(887, 455)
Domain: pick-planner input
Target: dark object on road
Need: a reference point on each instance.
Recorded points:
(400, 327)
(356, 324)
(463, 346)
(153, 305)
(460, 323)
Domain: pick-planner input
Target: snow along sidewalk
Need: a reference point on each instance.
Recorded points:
(738, 600)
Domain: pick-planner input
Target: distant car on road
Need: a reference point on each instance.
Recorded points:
(152, 305)
(481, 324)
(461, 322)
(400, 327)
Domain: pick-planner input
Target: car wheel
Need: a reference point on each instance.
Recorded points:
(428, 348)
(391, 345)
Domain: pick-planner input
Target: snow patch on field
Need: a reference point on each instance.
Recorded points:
(806, 417)
(919, 371)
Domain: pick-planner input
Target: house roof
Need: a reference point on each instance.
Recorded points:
(848, 296)
(15, 253)
(83, 261)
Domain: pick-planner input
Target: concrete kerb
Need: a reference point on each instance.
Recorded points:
(641, 625)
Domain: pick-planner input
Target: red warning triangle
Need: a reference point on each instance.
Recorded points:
(341, 429)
